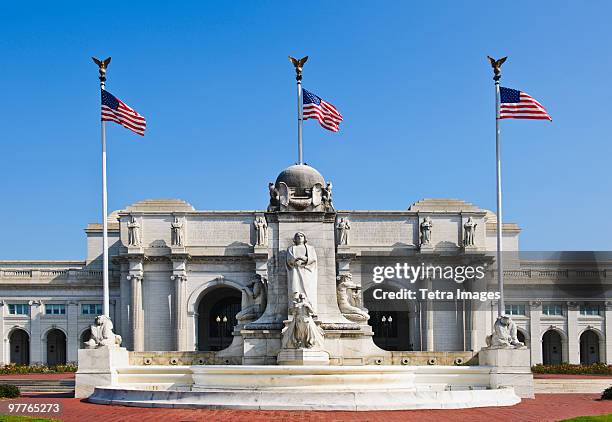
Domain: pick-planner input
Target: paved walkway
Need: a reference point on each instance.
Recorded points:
(48, 376)
(571, 376)
(546, 407)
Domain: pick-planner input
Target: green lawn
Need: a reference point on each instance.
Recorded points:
(6, 418)
(601, 418)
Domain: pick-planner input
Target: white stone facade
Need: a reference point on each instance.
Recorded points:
(158, 288)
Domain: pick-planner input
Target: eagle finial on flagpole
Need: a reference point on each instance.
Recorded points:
(299, 64)
(496, 65)
(102, 65)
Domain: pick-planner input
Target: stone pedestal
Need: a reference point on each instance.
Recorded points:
(426, 248)
(511, 368)
(260, 347)
(98, 368)
(303, 357)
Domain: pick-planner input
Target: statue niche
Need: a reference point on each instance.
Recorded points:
(469, 230)
(133, 232)
(176, 233)
(343, 227)
(261, 231)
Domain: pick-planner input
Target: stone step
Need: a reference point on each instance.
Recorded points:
(41, 386)
(571, 385)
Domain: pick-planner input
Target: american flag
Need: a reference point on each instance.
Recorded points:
(115, 110)
(519, 105)
(316, 108)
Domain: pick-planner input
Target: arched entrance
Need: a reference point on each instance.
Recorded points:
(589, 347)
(20, 347)
(56, 347)
(217, 317)
(551, 348)
(389, 321)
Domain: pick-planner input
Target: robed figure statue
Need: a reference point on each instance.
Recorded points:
(302, 331)
(302, 270)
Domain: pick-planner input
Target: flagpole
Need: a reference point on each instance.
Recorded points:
(105, 286)
(300, 119)
(501, 308)
(299, 64)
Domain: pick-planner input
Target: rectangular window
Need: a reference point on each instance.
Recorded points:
(589, 309)
(515, 309)
(552, 310)
(19, 309)
(91, 309)
(55, 309)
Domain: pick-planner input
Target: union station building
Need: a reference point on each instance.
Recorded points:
(179, 277)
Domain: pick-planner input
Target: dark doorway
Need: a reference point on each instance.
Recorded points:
(389, 321)
(551, 348)
(56, 347)
(589, 347)
(20, 347)
(217, 317)
(391, 329)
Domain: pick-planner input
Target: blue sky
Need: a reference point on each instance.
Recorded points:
(213, 80)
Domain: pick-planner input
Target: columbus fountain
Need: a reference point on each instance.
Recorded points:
(303, 341)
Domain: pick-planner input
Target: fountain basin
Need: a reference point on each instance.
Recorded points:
(380, 387)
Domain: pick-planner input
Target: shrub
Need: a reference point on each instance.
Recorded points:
(607, 394)
(567, 368)
(12, 369)
(9, 391)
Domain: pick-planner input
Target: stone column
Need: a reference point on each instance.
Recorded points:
(573, 342)
(4, 348)
(73, 341)
(194, 325)
(535, 312)
(115, 317)
(125, 306)
(36, 346)
(430, 321)
(608, 333)
(179, 276)
(413, 320)
(474, 346)
(136, 275)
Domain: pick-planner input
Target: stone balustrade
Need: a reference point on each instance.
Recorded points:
(554, 274)
(47, 274)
